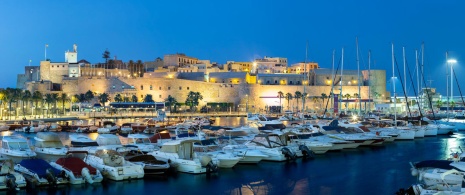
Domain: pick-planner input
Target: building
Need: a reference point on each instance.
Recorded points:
(270, 65)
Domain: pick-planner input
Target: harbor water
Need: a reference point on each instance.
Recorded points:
(365, 170)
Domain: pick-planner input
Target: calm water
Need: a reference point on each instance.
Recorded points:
(366, 170)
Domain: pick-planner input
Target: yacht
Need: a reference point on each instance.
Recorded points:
(34, 127)
(77, 170)
(152, 166)
(272, 146)
(439, 174)
(209, 147)
(113, 166)
(249, 156)
(16, 148)
(180, 154)
(4, 127)
(48, 146)
(126, 128)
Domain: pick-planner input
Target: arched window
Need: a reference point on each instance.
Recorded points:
(275, 82)
(141, 87)
(290, 82)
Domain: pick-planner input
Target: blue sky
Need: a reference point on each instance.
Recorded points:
(238, 30)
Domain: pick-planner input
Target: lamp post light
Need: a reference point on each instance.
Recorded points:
(451, 62)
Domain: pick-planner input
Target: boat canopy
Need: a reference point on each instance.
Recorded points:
(39, 167)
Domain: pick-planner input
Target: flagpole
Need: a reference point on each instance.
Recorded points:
(46, 45)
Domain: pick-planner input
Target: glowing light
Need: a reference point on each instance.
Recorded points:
(452, 61)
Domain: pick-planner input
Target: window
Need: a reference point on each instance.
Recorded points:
(159, 88)
(267, 82)
(141, 87)
(122, 86)
(52, 66)
(132, 86)
(159, 96)
(114, 87)
(150, 87)
(187, 88)
(141, 96)
(290, 82)
(180, 88)
(169, 88)
(275, 82)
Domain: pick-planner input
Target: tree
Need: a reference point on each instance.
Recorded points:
(439, 104)
(280, 96)
(140, 68)
(347, 96)
(134, 98)
(193, 99)
(170, 101)
(37, 97)
(55, 100)
(297, 96)
(148, 98)
(324, 96)
(304, 97)
(356, 101)
(103, 98)
(89, 95)
(63, 98)
(126, 99)
(27, 96)
(106, 55)
(452, 104)
(288, 97)
(118, 98)
(48, 100)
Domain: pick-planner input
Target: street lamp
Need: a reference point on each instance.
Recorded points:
(247, 104)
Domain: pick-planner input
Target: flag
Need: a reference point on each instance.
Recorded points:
(46, 45)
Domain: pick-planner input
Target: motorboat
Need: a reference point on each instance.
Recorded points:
(78, 141)
(273, 146)
(126, 128)
(152, 166)
(141, 143)
(4, 127)
(39, 172)
(108, 127)
(113, 166)
(160, 138)
(209, 147)
(110, 141)
(180, 154)
(34, 127)
(53, 127)
(439, 174)
(49, 147)
(249, 156)
(350, 134)
(9, 178)
(77, 171)
(16, 148)
(267, 123)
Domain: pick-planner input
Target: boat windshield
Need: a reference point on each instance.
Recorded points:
(49, 144)
(141, 140)
(17, 145)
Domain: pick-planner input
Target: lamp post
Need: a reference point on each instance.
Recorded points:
(247, 104)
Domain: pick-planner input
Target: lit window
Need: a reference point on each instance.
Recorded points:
(150, 87)
(159, 96)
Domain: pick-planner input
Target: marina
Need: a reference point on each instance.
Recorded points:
(333, 172)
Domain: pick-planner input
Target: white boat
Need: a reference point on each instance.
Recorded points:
(77, 171)
(16, 149)
(152, 166)
(49, 147)
(9, 178)
(53, 127)
(39, 172)
(209, 147)
(249, 156)
(4, 127)
(180, 154)
(439, 174)
(419, 189)
(111, 142)
(34, 127)
(141, 143)
(126, 128)
(113, 166)
(272, 146)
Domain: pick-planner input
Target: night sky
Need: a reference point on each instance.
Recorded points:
(240, 30)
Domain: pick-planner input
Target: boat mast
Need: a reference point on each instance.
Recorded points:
(447, 86)
(394, 87)
(418, 84)
(369, 80)
(358, 79)
(421, 70)
(332, 83)
(405, 79)
(342, 69)
(305, 72)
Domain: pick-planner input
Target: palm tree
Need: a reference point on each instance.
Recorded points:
(18, 94)
(288, 97)
(356, 101)
(134, 98)
(118, 98)
(55, 100)
(439, 104)
(193, 99)
(63, 98)
(103, 98)
(126, 99)
(324, 96)
(106, 55)
(26, 97)
(9, 97)
(315, 99)
(280, 96)
(48, 100)
(76, 99)
(304, 97)
(148, 98)
(89, 95)
(36, 97)
(347, 96)
(170, 101)
(297, 96)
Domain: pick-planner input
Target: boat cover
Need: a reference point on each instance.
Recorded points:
(441, 164)
(75, 165)
(38, 166)
(187, 135)
(207, 142)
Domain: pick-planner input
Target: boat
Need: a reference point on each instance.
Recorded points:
(77, 171)
(126, 128)
(4, 127)
(272, 146)
(152, 166)
(39, 172)
(108, 127)
(249, 156)
(180, 154)
(16, 148)
(439, 173)
(141, 143)
(113, 166)
(53, 127)
(34, 127)
(209, 147)
(49, 147)
(160, 138)
(9, 178)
